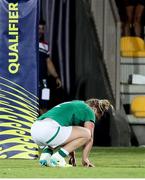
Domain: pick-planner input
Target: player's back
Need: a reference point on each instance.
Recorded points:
(70, 113)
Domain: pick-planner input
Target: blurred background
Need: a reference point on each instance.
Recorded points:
(97, 49)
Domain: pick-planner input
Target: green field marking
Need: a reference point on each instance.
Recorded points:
(109, 162)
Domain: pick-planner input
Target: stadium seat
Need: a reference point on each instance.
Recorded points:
(132, 47)
(138, 106)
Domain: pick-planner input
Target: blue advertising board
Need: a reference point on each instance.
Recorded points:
(18, 77)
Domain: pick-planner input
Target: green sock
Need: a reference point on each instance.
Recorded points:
(47, 150)
(63, 152)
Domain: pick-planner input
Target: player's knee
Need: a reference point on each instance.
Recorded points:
(87, 134)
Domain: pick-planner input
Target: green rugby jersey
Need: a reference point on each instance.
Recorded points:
(72, 113)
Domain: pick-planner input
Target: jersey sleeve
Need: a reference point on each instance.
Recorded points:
(90, 115)
(44, 48)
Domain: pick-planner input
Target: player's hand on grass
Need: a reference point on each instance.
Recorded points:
(87, 163)
(72, 159)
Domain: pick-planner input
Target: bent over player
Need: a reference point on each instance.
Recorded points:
(69, 126)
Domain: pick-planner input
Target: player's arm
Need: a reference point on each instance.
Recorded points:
(52, 71)
(87, 147)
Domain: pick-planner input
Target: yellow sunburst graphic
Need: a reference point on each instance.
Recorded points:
(18, 110)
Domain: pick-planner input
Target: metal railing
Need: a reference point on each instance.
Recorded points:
(108, 27)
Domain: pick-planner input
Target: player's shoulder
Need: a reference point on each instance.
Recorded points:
(72, 103)
(77, 102)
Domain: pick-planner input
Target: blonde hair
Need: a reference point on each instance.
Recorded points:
(100, 105)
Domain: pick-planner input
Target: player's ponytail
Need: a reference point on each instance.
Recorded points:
(101, 105)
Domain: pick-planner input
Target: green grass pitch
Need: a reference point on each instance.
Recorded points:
(109, 162)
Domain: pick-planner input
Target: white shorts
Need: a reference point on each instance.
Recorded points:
(48, 132)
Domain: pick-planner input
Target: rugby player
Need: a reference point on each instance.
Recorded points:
(68, 126)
